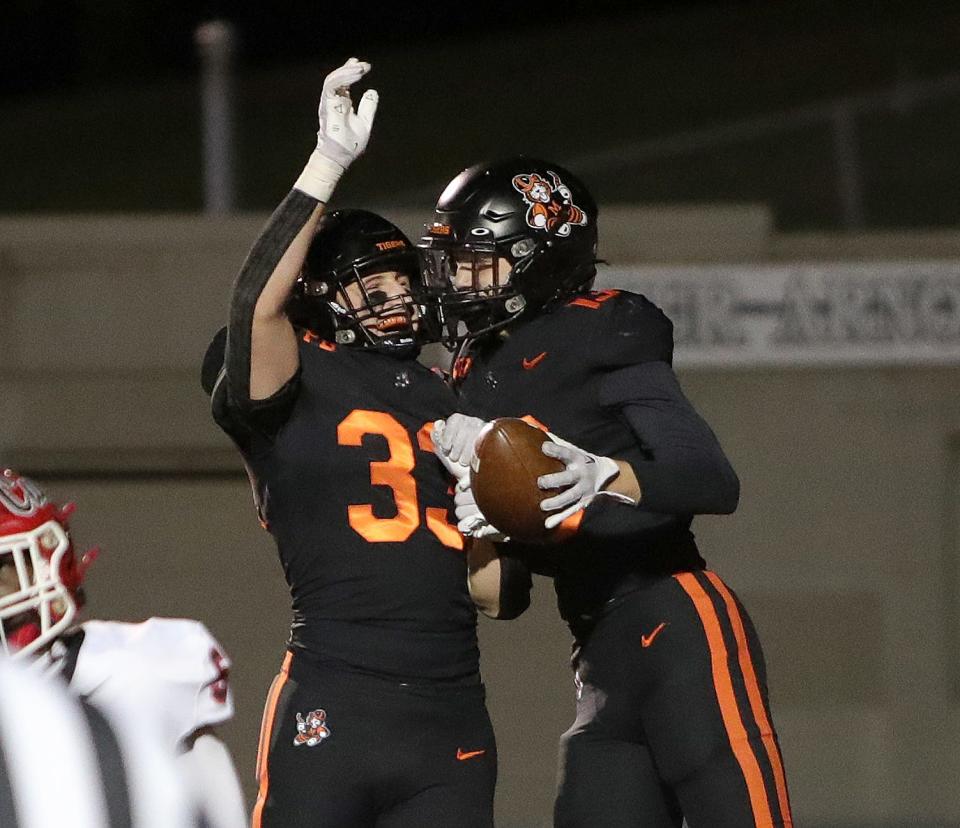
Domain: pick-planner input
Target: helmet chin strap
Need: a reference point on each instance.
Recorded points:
(512, 305)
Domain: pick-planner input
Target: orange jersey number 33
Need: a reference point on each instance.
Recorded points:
(396, 472)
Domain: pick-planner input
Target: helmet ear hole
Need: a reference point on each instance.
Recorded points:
(515, 304)
(521, 248)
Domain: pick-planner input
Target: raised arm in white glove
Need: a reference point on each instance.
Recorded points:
(582, 480)
(343, 133)
(453, 442)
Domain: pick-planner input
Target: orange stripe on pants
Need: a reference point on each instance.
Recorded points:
(723, 684)
(756, 698)
(266, 731)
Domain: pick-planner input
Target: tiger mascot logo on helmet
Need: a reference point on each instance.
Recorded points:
(551, 206)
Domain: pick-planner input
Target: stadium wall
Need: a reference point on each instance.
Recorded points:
(846, 547)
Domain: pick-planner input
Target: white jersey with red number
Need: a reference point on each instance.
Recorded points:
(172, 669)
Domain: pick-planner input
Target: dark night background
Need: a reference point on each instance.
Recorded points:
(52, 45)
(99, 101)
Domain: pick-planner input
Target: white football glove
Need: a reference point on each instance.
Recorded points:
(582, 480)
(470, 520)
(453, 442)
(343, 134)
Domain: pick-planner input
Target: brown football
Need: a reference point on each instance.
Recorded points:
(504, 474)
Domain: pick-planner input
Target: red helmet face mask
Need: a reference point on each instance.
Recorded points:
(40, 592)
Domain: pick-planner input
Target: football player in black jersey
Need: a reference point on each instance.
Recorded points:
(377, 716)
(672, 713)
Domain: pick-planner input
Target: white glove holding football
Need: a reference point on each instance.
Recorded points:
(470, 520)
(453, 442)
(582, 480)
(343, 134)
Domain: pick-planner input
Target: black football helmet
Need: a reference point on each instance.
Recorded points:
(534, 215)
(348, 246)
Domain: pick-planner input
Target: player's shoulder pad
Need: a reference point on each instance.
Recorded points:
(174, 664)
(212, 380)
(630, 329)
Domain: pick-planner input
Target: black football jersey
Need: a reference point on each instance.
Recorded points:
(553, 370)
(360, 509)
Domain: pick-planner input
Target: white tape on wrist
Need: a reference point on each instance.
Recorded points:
(319, 177)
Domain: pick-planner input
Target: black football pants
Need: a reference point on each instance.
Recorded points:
(672, 716)
(387, 754)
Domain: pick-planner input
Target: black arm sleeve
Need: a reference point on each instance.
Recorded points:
(268, 415)
(262, 417)
(679, 462)
(515, 586)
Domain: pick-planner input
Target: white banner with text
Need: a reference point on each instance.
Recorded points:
(799, 314)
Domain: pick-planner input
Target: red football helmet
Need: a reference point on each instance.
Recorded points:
(40, 590)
